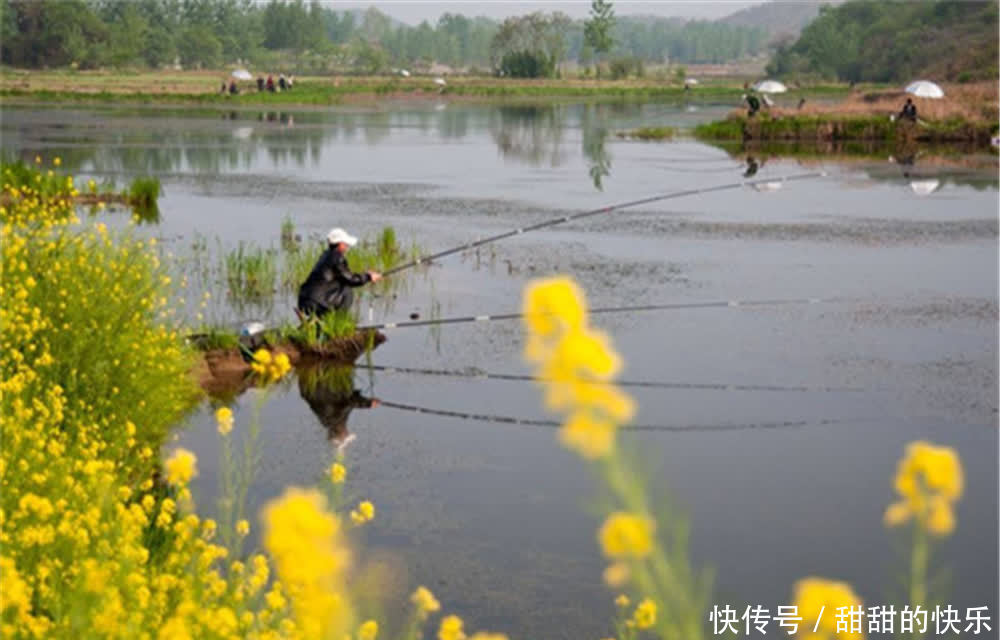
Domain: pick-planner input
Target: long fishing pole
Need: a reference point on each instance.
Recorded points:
(648, 384)
(552, 424)
(593, 212)
(641, 307)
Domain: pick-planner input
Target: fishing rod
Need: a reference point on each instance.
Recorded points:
(593, 212)
(641, 307)
(552, 424)
(649, 384)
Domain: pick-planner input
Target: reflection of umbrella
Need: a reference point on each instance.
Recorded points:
(925, 187)
(243, 133)
(766, 187)
(925, 89)
(242, 74)
(770, 86)
(440, 82)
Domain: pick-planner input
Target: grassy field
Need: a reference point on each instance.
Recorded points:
(202, 87)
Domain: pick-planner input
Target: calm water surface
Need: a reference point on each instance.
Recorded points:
(496, 518)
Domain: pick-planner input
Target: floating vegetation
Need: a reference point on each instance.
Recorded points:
(650, 133)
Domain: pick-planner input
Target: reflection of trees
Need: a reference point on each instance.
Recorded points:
(594, 123)
(530, 133)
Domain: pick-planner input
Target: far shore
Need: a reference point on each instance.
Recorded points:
(203, 88)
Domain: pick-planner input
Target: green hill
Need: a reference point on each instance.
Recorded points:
(876, 41)
(776, 18)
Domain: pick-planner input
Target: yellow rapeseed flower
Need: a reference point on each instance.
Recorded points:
(368, 630)
(425, 602)
(626, 535)
(929, 480)
(451, 629)
(622, 601)
(224, 419)
(181, 467)
(816, 595)
(645, 614)
(242, 527)
(337, 473)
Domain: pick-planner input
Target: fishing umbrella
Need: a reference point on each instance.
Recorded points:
(925, 89)
(770, 86)
(242, 74)
(690, 81)
(440, 82)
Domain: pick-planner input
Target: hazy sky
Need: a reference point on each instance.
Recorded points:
(413, 11)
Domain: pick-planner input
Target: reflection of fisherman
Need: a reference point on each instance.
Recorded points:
(752, 167)
(332, 405)
(329, 284)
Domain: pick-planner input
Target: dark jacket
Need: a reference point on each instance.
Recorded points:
(330, 281)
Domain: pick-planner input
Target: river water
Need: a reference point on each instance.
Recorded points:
(495, 517)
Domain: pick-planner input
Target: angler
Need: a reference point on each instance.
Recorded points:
(330, 283)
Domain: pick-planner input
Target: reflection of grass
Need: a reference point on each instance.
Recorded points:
(335, 377)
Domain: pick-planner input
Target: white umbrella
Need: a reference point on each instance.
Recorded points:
(242, 74)
(770, 86)
(690, 81)
(440, 82)
(925, 89)
(925, 187)
(404, 73)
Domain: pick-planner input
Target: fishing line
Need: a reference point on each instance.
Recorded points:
(643, 307)
(650, 384)
(552, 424)
(593, 212)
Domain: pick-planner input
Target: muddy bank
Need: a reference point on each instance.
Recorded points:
(226, 370)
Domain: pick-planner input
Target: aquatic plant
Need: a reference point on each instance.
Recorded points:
(143, 195)
(251, 272)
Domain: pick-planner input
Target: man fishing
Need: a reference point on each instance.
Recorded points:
(328, 287)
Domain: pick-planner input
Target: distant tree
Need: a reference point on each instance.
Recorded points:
(541, 36)
(199, 47)
(128, 36)
(597, 29)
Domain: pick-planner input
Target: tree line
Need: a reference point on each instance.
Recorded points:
(876, 41)
(305, 33)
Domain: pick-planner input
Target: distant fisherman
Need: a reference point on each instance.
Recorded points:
(329, 284)
(909, 111)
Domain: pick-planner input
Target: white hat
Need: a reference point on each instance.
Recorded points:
(338, 235)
